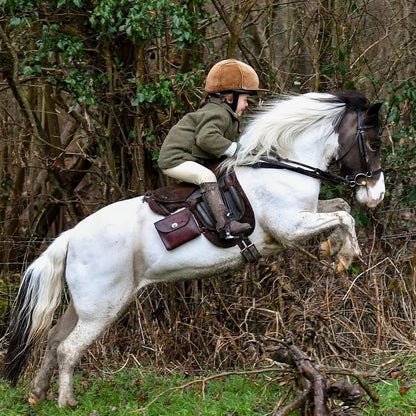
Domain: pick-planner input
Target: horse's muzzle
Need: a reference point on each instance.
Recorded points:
(372, 193)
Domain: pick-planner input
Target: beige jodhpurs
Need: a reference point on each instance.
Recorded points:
(191, 172)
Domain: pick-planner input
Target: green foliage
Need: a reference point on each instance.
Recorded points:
(361, 217)
(330, 191)
(70, 3)
(62, 50)
(402, 105)
(401, 117)
(147, 20)
(101, 54)
(160, 92)
(339, 65)
(31, 6)
(54, 42)
(13, 6)
(60, 55)
(163, 90)
(83, 85)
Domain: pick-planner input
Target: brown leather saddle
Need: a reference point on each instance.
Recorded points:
(166, 200)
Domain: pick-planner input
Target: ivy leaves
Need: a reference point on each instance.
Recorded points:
(148, 20)
(68, 56)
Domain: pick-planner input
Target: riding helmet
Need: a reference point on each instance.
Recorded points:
(232, 75)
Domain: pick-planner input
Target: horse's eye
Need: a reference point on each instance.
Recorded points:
(374, 146)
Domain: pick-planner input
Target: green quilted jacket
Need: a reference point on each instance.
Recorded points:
(201, 136)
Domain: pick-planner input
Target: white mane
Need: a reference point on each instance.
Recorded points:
(276, 128)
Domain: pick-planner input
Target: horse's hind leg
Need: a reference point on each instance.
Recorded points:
(70, 351)
(57, 334)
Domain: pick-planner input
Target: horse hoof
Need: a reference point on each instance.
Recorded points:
(340, 268)
(33, 399)
(325, 249)
(72, 403)
(343, 264)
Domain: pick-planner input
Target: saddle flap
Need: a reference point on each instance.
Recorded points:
(234, 202)
(204, 216)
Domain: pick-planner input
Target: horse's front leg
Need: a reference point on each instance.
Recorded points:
(292, 228)
(333, 244)
(332, 205)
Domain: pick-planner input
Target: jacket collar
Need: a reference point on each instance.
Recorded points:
(220, 102)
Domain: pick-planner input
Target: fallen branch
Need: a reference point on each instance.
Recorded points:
(316, 385)
(297, 403)
(359, 375)
(316, 391)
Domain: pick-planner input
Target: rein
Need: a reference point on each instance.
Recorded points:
(359, 179)
(279, 163)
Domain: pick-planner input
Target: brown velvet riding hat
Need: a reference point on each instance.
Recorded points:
(232, 75)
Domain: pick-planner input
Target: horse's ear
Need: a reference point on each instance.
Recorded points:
(374, 109)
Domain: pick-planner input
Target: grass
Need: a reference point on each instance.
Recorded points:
(127, 392)
(392, 402)
(148, 393)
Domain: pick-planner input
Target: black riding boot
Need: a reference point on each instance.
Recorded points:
(226, 227)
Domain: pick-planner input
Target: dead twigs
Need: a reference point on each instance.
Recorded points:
(315, 389)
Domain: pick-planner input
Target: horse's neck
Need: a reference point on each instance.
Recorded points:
(278, 190)
(314, 149)
(283, 188)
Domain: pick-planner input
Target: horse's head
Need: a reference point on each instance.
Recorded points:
(359, 152)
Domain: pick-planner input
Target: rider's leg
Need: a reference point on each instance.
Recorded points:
(226, 226)
(200, 175)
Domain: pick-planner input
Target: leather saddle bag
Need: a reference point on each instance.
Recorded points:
(177, 228)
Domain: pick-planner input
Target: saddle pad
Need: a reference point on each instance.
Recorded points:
(177, 228)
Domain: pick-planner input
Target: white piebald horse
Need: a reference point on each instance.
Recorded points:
(116, 251)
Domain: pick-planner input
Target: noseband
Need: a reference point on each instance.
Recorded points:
(359, 179)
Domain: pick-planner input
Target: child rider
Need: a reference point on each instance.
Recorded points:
(209, 134)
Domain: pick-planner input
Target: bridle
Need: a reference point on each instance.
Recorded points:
(359, 179)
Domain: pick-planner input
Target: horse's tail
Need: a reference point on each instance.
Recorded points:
(32, 314)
